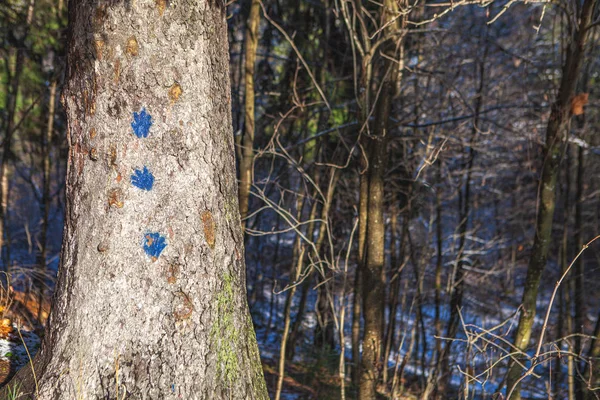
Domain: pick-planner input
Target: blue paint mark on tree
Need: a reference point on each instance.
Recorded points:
(141, 124)
(154, 244)
(142, 179)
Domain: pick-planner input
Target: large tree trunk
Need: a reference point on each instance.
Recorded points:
(378, 87)
(150, 300)
(249, 121)
(46, 200)
(552, 154)
(373, 285)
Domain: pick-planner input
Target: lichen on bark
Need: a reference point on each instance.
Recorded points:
(225, 336)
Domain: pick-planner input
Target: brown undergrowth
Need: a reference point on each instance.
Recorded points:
(18, 311)
(317, 380)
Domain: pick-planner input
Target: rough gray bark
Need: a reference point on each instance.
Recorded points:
(130, 320)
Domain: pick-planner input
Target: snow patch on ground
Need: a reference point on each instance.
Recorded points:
(14, 351)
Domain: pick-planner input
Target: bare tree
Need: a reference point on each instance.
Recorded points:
(247, 159)
(552, 154)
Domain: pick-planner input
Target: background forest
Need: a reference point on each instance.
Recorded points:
(411, 172)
